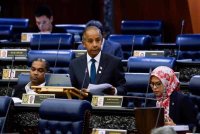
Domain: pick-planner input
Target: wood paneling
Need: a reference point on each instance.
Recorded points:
(171, 12)
(64, 11)
(194, 8)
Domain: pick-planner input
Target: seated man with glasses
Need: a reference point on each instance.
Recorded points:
(178, 108)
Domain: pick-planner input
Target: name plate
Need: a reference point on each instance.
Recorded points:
(138, 53)
(13, 73)
(78, 53)
(35, 98)
(108, 131)
(26, 37)
(6, 53)
(107, 101)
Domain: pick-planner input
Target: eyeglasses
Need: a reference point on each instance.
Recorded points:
(156, 84)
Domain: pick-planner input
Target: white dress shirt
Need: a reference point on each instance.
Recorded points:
(29, 90)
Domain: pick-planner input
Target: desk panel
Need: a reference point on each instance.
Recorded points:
(25, 118)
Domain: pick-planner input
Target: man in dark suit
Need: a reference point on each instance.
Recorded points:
(109, 47)
(38, 70)
(108, 68)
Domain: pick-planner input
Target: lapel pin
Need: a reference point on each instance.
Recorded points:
(99, 72)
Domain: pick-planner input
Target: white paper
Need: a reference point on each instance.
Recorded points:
(97, 89)
(180, 127)
(16, 100)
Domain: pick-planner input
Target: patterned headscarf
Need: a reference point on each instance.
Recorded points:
(170, 83)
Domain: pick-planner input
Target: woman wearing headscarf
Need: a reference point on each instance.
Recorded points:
(178, 108)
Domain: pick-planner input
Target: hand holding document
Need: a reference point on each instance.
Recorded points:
(98, 89)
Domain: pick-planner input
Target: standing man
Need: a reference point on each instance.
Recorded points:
(108, 68)
(44, 20)
(38, 70)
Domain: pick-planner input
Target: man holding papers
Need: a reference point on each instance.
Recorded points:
(96, 72)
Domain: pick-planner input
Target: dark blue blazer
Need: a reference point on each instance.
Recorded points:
(181, 109)
(109, 47)
(110, 71)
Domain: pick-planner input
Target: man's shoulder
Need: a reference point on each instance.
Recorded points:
(79, 59)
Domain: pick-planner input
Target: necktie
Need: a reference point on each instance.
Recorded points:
(92, 72)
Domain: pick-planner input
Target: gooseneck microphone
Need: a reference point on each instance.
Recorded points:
(132, 47)
(179, 45)
(10, 75)
(85, 74)
(56, 59)
(147, 90)
(182, 26)
(39, 41)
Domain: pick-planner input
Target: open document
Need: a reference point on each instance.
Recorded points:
(97, 89)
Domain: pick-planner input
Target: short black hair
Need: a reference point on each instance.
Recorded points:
(43, 10)
(88, 27)
(42, 60)
(97, 24)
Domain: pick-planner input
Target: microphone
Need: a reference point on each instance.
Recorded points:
(179, 45)
(85, 74)
(132, 50)
(132, 45)
(182, 26)
(39, 41)
(147, 90)
(60, 40)
(10, 75)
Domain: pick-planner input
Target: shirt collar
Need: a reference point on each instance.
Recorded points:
(97, 58)
(29, 90)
